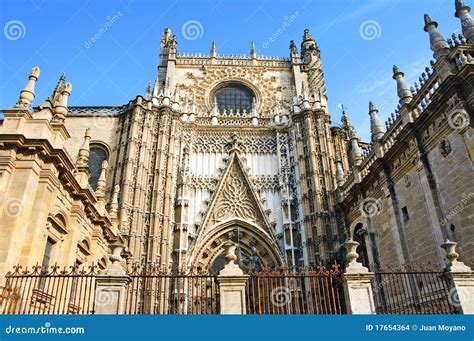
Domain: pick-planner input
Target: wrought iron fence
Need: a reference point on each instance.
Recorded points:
(307, 291)
(153, 290)
(49, 291)
(412, 291)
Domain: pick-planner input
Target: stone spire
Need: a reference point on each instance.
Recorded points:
(340, 179)
(403, 90)
(375, 124)
(467, 23)
(253, 51)
(213, 49)
(356, 151)
(437, 42)
(346, 123)
(114, 202)
(51, 100)
(293, 52)
(148, 92)
(60, 109)
(101, 183)
(83, 157)
(308, 44)
(28, 93)
(166, 38)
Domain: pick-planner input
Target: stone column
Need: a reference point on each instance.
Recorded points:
(357, 281)
(232, 282)
(111, 285)
(461, 280)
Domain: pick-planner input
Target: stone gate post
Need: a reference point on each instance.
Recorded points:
(111, 285)
(460, 279)
(357, 281)
(232, 282)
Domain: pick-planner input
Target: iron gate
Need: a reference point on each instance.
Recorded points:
(306, 291)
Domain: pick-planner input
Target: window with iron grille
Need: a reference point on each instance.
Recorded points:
(234, 96)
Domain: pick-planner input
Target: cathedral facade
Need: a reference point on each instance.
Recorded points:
(243, 148)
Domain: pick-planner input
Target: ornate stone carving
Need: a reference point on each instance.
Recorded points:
(234, 200)
(218, 143)
(444, 147)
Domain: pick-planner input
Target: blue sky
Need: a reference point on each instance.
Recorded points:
(54, 35)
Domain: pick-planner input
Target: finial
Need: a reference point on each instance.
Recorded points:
(372, 106)
(459, 4)
(166, 38)
(437, 42)
(467, 22)
(28, 93)
(213, 49)
(148, 91)
(253, 51)
(101, 183)
(339, 171)
(375, 124)
(114, 202)
(60, 110)
(403, 90)
(428, 19)
(83, 157)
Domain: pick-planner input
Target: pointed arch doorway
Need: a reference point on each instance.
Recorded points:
(255, 247)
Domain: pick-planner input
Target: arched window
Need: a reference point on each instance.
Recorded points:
(234, 96)
(97, 155)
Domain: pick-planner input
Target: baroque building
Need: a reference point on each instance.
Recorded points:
(242, 148)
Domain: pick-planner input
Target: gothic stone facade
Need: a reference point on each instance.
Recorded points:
(242, 148)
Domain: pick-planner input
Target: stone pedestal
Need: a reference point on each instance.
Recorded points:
(232, 294)
(110, 295)
(357, 282)
(111, 286)
(461, 281)
(358, 293)
(232, 282)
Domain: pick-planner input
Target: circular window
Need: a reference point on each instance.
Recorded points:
(234, 97)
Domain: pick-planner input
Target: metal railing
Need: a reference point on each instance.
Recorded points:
(153, 290)
(410, 291)
(307, 291)
(49, 291)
